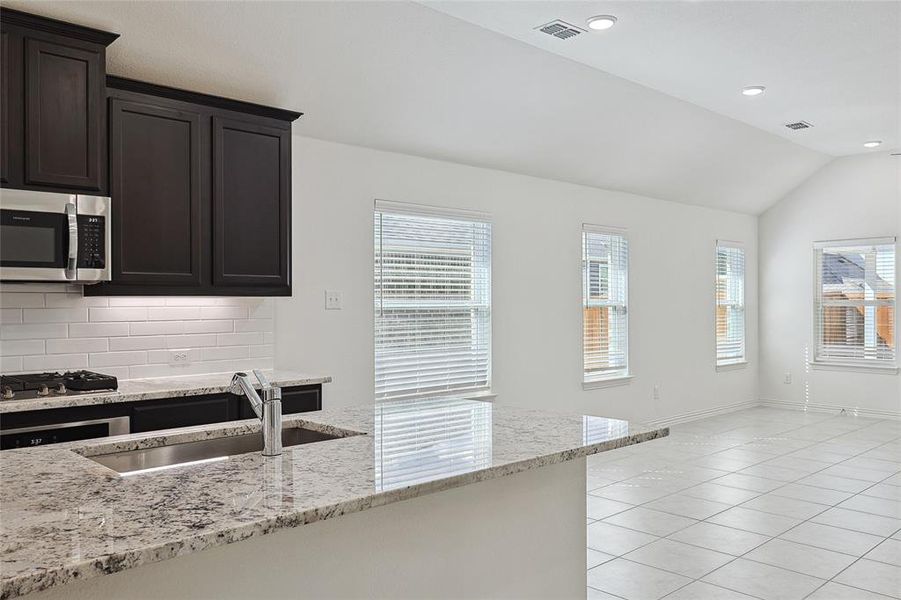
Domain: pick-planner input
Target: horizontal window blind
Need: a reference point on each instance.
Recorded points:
(855, 301)
(605, 318)
(432, 303)
(730, 303)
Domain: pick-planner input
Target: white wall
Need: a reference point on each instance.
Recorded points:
(536, 282)
(51, 327)
(858, 196)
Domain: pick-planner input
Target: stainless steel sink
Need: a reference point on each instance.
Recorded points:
(132, 462)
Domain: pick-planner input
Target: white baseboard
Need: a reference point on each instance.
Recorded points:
(701, 414)
(832, 409)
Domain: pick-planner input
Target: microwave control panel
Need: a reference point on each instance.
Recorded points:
(91, 242)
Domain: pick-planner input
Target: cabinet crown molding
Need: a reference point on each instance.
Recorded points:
(154, 89)
(9, 16)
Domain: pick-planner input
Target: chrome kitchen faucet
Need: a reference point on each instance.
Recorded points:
(268, 409)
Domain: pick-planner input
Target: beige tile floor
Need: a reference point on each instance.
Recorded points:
(762, 503)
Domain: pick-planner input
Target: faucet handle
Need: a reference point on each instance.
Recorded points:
(264, 381)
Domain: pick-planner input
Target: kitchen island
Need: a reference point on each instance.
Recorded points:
(510, 515)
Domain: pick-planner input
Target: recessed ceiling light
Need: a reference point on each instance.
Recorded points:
(601, 22)
(753, 90)
(872, 143)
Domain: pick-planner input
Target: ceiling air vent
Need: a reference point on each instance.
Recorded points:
(560, 29)
(799, 125)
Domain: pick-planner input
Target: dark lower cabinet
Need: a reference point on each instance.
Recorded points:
(153, 415)
(181, 413)
(294, 400)
(54, 104)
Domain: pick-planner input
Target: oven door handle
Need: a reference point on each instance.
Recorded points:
(72, 259)
(117, 426)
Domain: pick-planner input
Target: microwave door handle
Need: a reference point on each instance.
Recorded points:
(72, 260)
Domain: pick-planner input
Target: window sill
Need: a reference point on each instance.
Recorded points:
(482, 396)
(732, 366)
(857, 367)
(608, 382)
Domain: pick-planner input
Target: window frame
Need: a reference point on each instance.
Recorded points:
(730, 364)
(625, 375)
(819, 362)
(427, 211)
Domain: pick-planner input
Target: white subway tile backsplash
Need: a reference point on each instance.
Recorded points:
(224, 312)
(173, 313)
(119, 359)
(53, 362)
(21, 347)
(240, 339)
(190, 301)
(73, 301)
(245, 325)
(133, 301)
(209, 326)
(119, 313)
(10, 364)
(54, 315)
(225, 352)
(52, 327)
(10, 315)
(97, 329)
(262, 350)
(20, 300)
(141, 342)
(74, 345)
(31, 331)
(188, 341)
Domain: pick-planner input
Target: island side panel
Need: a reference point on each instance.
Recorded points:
(519, 536)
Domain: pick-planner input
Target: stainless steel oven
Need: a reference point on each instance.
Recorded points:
(40, 435)
(45, 236)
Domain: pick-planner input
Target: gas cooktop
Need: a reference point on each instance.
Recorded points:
(41, 385)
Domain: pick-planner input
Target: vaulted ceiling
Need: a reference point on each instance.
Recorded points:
(405, 77)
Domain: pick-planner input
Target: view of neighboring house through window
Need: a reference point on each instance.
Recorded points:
(855, 302)
(730, 303)
(605, 318)
(432, 301)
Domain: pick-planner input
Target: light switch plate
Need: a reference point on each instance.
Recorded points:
(334, 300)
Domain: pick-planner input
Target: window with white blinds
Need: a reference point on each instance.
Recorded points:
(855, 302)
(432, 301)
(730, 303)
(605, 299)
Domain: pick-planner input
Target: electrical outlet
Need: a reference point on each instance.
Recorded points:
(787, 378)
(179, 358)
(334, 300)
(656, 393)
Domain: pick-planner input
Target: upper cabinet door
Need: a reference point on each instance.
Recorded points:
(4, 106)
(251, 204)
(64, 114)
(160, 215)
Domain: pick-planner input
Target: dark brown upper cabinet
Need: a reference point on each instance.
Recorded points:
(157, 161)
(251, 203)
(201, 190)
(54, 114)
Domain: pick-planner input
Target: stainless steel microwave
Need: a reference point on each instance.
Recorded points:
(46, 236)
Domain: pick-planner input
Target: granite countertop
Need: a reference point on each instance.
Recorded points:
(135, 390)
(66, 517)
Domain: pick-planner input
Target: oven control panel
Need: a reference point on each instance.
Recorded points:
(91, 242)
